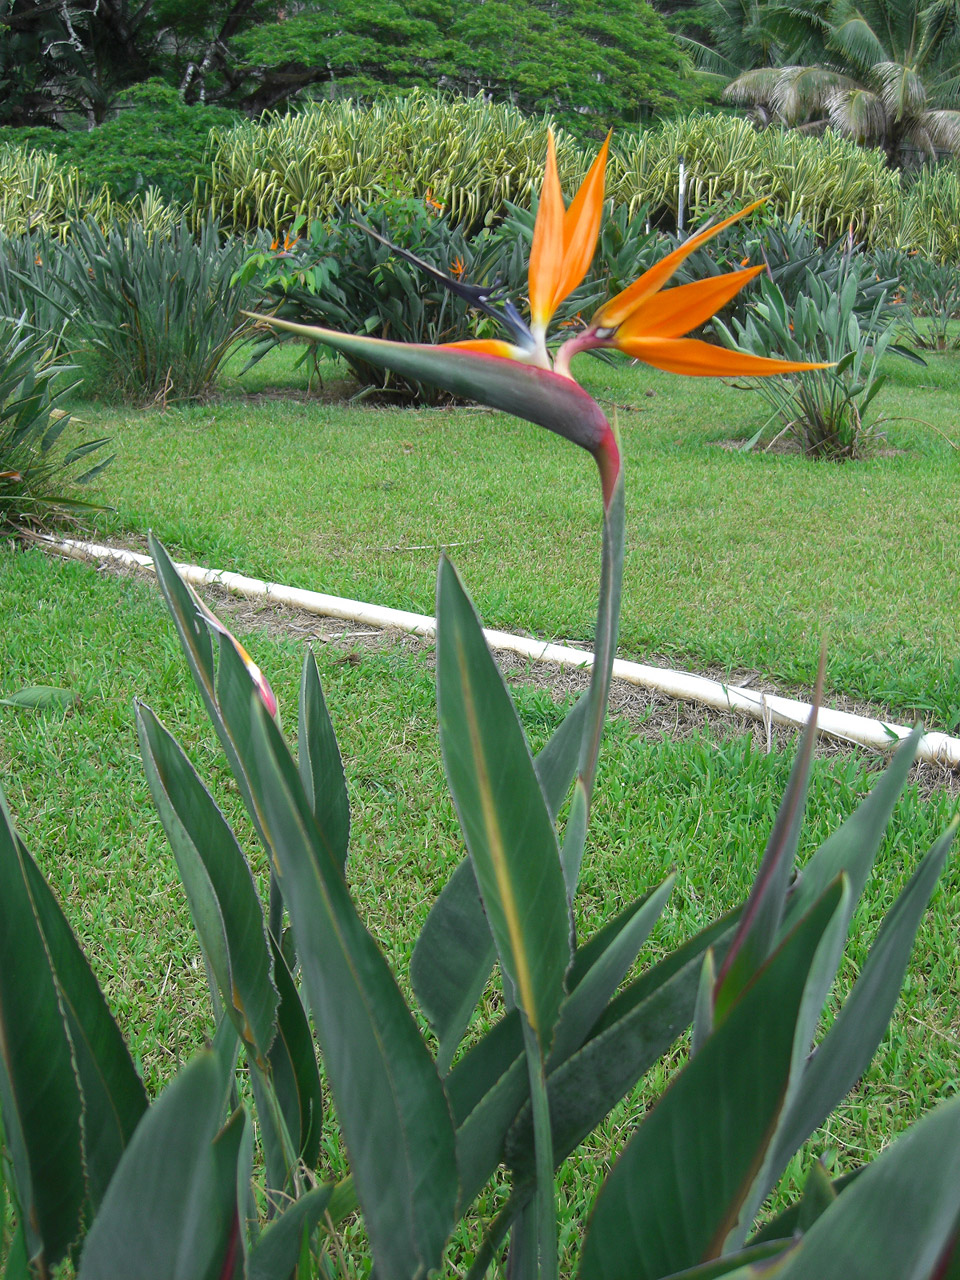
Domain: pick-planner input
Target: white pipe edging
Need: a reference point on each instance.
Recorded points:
(939, 748)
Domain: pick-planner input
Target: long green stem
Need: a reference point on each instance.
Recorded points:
(545, 1208)
(605, 647)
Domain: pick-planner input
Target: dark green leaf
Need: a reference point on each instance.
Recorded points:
(170, 1212)
(39, 1095)
(276, 1252)
(787, 1224)
(482, 1066)
(581, 1009)
(502, 811)
(762, 914)
(851, 1042)
(452, 961)
(41, 697)
(647, 1017)
(455, 952)
(223, 899)
(853, 846)
(556, 764)
(388, 1095)
(113, 1095)
(675, 1192)
(293, 1067)
(899, 1215)
(195, 639)
(587, 954)
(744, 1262)
(321, 769)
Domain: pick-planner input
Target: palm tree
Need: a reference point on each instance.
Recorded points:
(885, 73)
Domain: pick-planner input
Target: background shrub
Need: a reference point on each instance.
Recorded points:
(828, 410)
(465, 155)
(153, 140)
(38, 192)
(833, 185)
(36, 472)
(152, 316)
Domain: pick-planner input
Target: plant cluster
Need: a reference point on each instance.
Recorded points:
(385, 271)
(828, 410)
(153, 141)
(933, 291)
(38, 192)
(36, 469)
(150, 316)
(99, 1175)
(467, 156)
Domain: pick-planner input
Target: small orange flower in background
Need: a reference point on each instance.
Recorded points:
(429, 201)
(288, 245)
(458, 267)
(38, 261)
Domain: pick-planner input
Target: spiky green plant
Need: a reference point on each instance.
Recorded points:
(151, 316)
(37, 470)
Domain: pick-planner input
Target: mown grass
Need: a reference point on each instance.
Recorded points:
(734, 559)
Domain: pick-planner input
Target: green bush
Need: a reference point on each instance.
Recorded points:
(31, 290)
(933, 292)
(38, 192)
(931, 214)
(791, 252)
(36, 469)
(338, 275)
(152, 140)
(833, 185)
(830, 411)
(466, 155)
(151, 317)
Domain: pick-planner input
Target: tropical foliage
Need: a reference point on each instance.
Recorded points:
(152, 317)
(831, 411)
(40, 193)
(37, 469)
(73, 63)
(154, 140)
(465, 156)
(883, 73)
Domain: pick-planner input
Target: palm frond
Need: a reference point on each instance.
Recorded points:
(900, 89)
(755, 88)
(943, 129)
(858, 114)
(857, 43)
(804, 92)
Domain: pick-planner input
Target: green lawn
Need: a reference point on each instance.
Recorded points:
(734, 560)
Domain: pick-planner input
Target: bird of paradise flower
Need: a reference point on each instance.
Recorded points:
(523, 376)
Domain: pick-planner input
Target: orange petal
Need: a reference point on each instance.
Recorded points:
(674, 312)
(546, 252)
(617, 309)
(703, 360)
(581, 226)
(487, 347)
